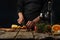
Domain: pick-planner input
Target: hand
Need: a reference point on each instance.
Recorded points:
(30, 24)
(21, 18)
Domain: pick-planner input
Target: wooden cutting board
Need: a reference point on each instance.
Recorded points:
(7, 29)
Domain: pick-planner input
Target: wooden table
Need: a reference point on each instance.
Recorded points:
(24, 35)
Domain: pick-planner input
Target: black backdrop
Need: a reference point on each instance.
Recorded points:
(8, 12)
(56, 8)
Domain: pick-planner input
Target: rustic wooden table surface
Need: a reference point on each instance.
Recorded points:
(23, 34)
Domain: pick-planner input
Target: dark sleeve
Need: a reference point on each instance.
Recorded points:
(44, 5)
(32, 9)
(20, 5)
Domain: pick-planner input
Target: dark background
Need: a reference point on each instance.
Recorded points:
(56, 8)
(8, 12)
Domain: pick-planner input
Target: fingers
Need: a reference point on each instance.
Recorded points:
(30, 24)
(20, 21)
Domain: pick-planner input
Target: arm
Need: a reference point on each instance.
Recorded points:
(31, 24)
(20, 11)
(20, 14)
(36, 19)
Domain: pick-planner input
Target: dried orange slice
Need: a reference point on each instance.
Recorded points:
(55, 27)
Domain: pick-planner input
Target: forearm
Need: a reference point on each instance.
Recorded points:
(36, 19)
(20, 14)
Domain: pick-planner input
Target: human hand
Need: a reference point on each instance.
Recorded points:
(30, 24)
(21, 18)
